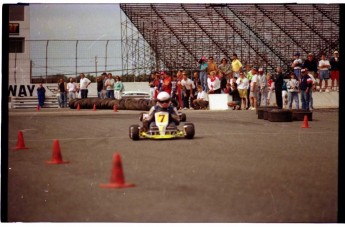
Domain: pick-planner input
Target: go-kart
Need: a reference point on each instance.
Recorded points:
(162, 129)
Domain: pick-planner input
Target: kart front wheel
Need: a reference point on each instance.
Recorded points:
(189, 130)
(134, 132)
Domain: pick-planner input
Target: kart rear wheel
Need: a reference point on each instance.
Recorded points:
(134, 132)
(183, 117)
(189, 130)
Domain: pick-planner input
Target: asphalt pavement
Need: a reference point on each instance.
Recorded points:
(237, 169)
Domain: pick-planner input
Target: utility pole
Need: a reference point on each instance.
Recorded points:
(96, 65)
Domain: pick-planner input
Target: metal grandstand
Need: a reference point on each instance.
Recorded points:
(175, 36)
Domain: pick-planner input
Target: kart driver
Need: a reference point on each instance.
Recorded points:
(163, 104)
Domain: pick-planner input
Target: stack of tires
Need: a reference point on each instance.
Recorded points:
(274, 114)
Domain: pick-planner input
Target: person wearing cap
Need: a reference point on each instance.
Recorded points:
(236, 66)
(311, 64)
(323, 67)
(163, 104)
(334, 69)
(305, 86)
(263, 88)
(297, 65)
(202, 68)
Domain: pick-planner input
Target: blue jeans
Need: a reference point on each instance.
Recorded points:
(63, 99)
(297, 73)
(110, 94)
(293, 96)
(305, 99)
(203, 81)
(83, 93)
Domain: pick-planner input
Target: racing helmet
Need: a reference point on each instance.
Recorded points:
(163, 99)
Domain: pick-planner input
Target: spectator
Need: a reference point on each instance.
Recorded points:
(270, 85)
(253, 89)
(41, 95)
(285, 95)
(83, 86)
(249, 77)
(335, 70)
(311, 64)
(305, 86)
(223, 82)
(211, 66)
(242, 87)
(196, 82)
(158, 85)
(201, 101)
(71, 89)
(213, 84)
(236, 66)
(188, 87)
(236, 100)
(109, 84)
(324, 72)
(297, 65)
(202, 67)
(118, 88)
(278, 86)
(292, 86)
(262, 88)
(311, 100)
(63, 91)
(166, 83)
(224, 67)
(104, 90)
(174, 83)
(100, 87)
(152, 84)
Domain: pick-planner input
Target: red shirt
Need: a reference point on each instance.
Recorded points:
(166, 86)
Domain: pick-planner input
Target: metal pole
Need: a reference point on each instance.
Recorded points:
(76, 58)
(47, 59)
(96, 65)
(106, 55)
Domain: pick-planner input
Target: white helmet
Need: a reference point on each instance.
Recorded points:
(163, 96)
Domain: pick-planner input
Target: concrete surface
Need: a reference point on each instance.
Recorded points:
(237, 169)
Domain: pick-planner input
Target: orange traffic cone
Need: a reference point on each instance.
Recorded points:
(57, 157)
(117, 179)
(305, 122)
(94, 107)
(115, 108)
(78, 107)
(20, 142)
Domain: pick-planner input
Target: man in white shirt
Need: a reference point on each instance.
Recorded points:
(297, 65)
(84, 83)
(242, 86)
(201, 101)
(71, 89)
(324, 66)
(109, 86)
(188, 86)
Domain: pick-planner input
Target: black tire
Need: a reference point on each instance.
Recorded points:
(298, 115)
(189, 130)
(134, 132)
(183, 117)
(280, 115)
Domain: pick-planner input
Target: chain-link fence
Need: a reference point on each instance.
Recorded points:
(47, 59)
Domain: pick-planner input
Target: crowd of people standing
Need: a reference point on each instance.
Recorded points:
(250, 86)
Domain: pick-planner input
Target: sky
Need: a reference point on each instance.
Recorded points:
(75, 21)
